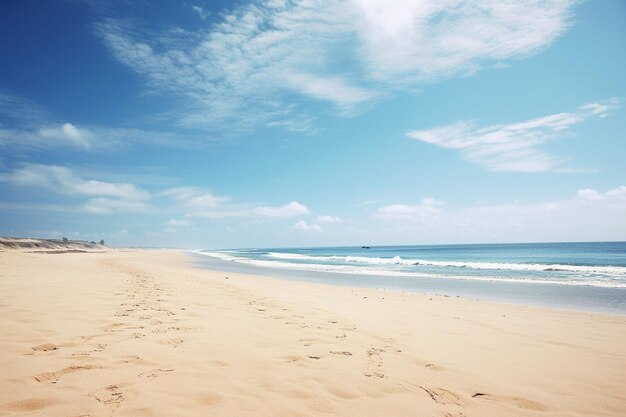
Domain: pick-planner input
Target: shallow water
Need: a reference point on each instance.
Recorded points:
(581, 276)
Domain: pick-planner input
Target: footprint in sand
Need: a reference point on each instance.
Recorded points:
(109, 395)
(53, 377)
(80, 355)
(100, 347)
(46, 347)
(515, 401)
(374, 363)
(434, 367)
(182, 328)
(441, 396)
(113, 327)
(374, 374)
(157, 331)
(174, 342)
(155, 372)
(137, 360)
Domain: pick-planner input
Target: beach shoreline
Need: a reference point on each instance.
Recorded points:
(146, 332)
(589, 298)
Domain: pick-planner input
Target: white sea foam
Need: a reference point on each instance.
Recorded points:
(367, 270)
(220, 255)
(586, 269)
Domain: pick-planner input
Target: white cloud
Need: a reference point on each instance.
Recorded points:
(304, 226)
(338, 91)
(205, 200)
(288, 210)
(173, 225)
(183, 193)
(249, 66)
(178, 223)
(204, 14)
(199, 202)
(426, 210)
(104, 197)
(514, 146)
(104, 205)
(70, 134)
(25, 125)
(587, 215)
(616, 194)
(49, 137)
(407, 41)
(97, 196)
(62, 180)
(20, 111)
(328, 219)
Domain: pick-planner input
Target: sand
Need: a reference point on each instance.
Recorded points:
(144, 333)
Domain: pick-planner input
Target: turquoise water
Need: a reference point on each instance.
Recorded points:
(588, 276)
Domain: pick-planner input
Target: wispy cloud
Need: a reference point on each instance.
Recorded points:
(69, 133)
(246, 210)
(424, 211)
(48, 137)
(17, 110)
(515, 146)
(570, 219)
(328, 219)
(304, 226)
(292, 209)
(174, 225)
(314, 226)
(102, 196)
(99, 196)
(195, 198)
(200, 202)
(104, 205)
(178, 223)
(204, 14)
(27, 126)
(348, 54)
(615, 195)
(93, 138)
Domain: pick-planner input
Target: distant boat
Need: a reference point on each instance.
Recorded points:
(365, 247)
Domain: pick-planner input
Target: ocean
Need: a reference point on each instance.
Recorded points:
(581, 276)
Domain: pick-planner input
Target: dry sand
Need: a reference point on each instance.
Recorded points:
(143, 333)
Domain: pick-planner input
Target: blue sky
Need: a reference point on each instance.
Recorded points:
(216, 124)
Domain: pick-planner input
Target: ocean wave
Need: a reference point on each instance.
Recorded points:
(220, 255)
(365, 270)
(361, 259)
(586, 269)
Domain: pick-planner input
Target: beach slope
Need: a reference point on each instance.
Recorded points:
(144, 333)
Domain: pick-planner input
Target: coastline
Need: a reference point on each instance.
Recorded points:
(145, 332)
(590, 298)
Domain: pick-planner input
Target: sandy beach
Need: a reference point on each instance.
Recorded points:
(144, 333)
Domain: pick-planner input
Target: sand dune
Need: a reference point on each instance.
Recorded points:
(142, 333)
(49, 245)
